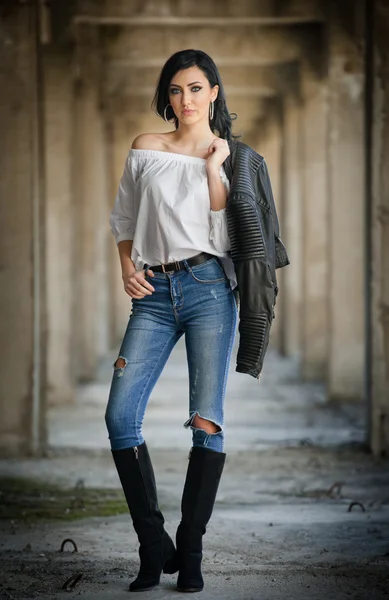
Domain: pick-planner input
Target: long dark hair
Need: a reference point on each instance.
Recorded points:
(222, 119)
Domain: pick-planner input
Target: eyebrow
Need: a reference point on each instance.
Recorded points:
(189, 84)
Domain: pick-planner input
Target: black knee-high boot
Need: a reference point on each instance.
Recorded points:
(202, 480)
(156, 551)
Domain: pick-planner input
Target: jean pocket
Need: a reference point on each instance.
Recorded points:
(209, 272)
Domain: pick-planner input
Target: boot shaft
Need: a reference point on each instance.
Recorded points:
(136, 475)
(202, 481)
(203, 476)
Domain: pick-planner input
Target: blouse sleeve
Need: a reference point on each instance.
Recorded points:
(123, 218)
(218, 232)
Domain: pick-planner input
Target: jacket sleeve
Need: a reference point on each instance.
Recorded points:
(123, 215)
(256, 314)
(265, 192)
(255, 282)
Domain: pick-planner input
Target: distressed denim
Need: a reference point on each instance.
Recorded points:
(199, 303)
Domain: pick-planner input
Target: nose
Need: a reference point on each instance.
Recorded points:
(185, 99)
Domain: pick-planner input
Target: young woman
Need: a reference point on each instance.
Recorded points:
(170, 225)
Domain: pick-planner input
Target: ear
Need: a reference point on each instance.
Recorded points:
(215, 91)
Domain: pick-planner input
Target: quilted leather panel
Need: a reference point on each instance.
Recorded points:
(256, 249)
(254, 338)
(244, 230)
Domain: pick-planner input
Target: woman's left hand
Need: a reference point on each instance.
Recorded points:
(217, 154)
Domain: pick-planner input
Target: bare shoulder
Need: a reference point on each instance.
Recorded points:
(149, 141)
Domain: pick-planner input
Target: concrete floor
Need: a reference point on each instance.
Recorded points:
(276, 532)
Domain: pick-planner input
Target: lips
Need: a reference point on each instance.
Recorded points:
(187, 112)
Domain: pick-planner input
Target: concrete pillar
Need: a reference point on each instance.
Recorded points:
(315, 267)
(22, 297)
(91, 213)
(292, 225)
(267, 141)
(122, 136)
(379, 349)
(59, 224)
(346, 193)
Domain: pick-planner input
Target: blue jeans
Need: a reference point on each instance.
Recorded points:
(199, 303)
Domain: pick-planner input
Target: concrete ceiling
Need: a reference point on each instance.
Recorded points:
(250, 48)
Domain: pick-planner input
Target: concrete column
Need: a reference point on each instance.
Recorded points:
(379, 408)
(22, 297)
(292, 225)
(91, 213)
(59, 224)
(267, 141)
(346, 193)
(123, 135)
(314, 265)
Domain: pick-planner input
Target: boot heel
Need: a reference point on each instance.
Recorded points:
(171, 565)
(169, 550)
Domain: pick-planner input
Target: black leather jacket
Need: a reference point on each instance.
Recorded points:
(256, 250)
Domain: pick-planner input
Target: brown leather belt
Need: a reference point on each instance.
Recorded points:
(179, 264)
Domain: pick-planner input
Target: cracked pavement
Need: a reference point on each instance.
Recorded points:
(278, 530)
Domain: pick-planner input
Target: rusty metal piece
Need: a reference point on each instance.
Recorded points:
(352, 504)
(70, 542)
(78, 500)
(72, 581)
(335, 491)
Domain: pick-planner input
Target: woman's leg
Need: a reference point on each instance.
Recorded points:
(209, 341)
(209, 333)
(146, 347)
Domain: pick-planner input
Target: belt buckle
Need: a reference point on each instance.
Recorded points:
(176, 264)
(164, 270)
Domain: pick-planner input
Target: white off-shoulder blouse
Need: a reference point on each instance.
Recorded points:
(163, 206)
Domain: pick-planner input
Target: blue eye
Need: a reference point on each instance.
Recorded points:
(195, 88)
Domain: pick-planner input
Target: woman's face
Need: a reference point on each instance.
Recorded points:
(190, 95)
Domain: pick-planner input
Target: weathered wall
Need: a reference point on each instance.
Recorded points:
(22, 356)
(121, 128)
(315, 267)
(91, 213)
(346, 193)
(269, 145)
(292, 224)
(379, 432)
(59, 109)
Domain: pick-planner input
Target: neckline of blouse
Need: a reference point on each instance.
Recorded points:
(172, 155)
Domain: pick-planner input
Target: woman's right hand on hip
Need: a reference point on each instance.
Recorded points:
(136, 286)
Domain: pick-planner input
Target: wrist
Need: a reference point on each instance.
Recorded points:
(213, 170)
(128, 272)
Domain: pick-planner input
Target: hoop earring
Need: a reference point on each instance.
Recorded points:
(165, 115)
(211, 110)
